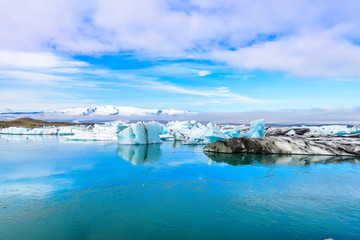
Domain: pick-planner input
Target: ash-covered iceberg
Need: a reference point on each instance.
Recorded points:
(141, 133)
(288, 145)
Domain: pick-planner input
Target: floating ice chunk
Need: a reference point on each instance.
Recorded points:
(201, 134)
(332, 130)
(166, 136)
(192, 132)
(257, 129)
(88, 135)
(126, 136)
(231, 131)
(98, 132)
(65, 131)
(154, 130)
(179, 129)
(291, 133)
(141, 133)
(29, 131)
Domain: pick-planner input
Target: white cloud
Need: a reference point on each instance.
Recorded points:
(221, 93)
(303, 38)
(204, 73)
(308, 38)
(30, 60)
(310, 55)
(40, 68)
(32, 76)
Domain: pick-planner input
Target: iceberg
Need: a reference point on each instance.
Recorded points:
(331, 130)
(141, 133)
(179, 130)
(231, 131)
(98, 132)
(192, 132)
(257, 129)
(37, 131)
(204, 134)
(154, 129)
(288, 145)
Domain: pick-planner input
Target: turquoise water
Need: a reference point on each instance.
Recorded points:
(50, 189)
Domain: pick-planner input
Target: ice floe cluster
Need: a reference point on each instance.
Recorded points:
(314, 131)
(337, 130)
(37, 131)
(188, 132)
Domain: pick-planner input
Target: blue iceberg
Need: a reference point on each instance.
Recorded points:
(141, 133)
(257, 129)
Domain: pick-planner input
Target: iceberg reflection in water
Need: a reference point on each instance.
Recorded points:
(282, 159)
(140, 154)
(18, 138)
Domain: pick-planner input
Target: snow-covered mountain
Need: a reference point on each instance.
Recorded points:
(102, 114)
(120, 110)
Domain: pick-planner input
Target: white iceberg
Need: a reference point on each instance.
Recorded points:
(231, 131)
(204, 134)
(192, 132)
(179, 130)
(98, 132)
(331, 130)
(29, 131)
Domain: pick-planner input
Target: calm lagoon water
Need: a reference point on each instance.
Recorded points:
(51, 189)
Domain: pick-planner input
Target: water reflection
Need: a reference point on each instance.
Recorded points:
(270, 159)
(14, 138)
(140, 154)
(176, 145)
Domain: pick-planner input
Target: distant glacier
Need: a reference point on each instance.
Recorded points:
(101, 114)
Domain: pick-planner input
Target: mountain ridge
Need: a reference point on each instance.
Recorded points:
(120, 110)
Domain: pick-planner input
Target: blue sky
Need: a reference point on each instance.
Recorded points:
(197, 55)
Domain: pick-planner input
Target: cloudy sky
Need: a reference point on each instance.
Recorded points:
(197, 55)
